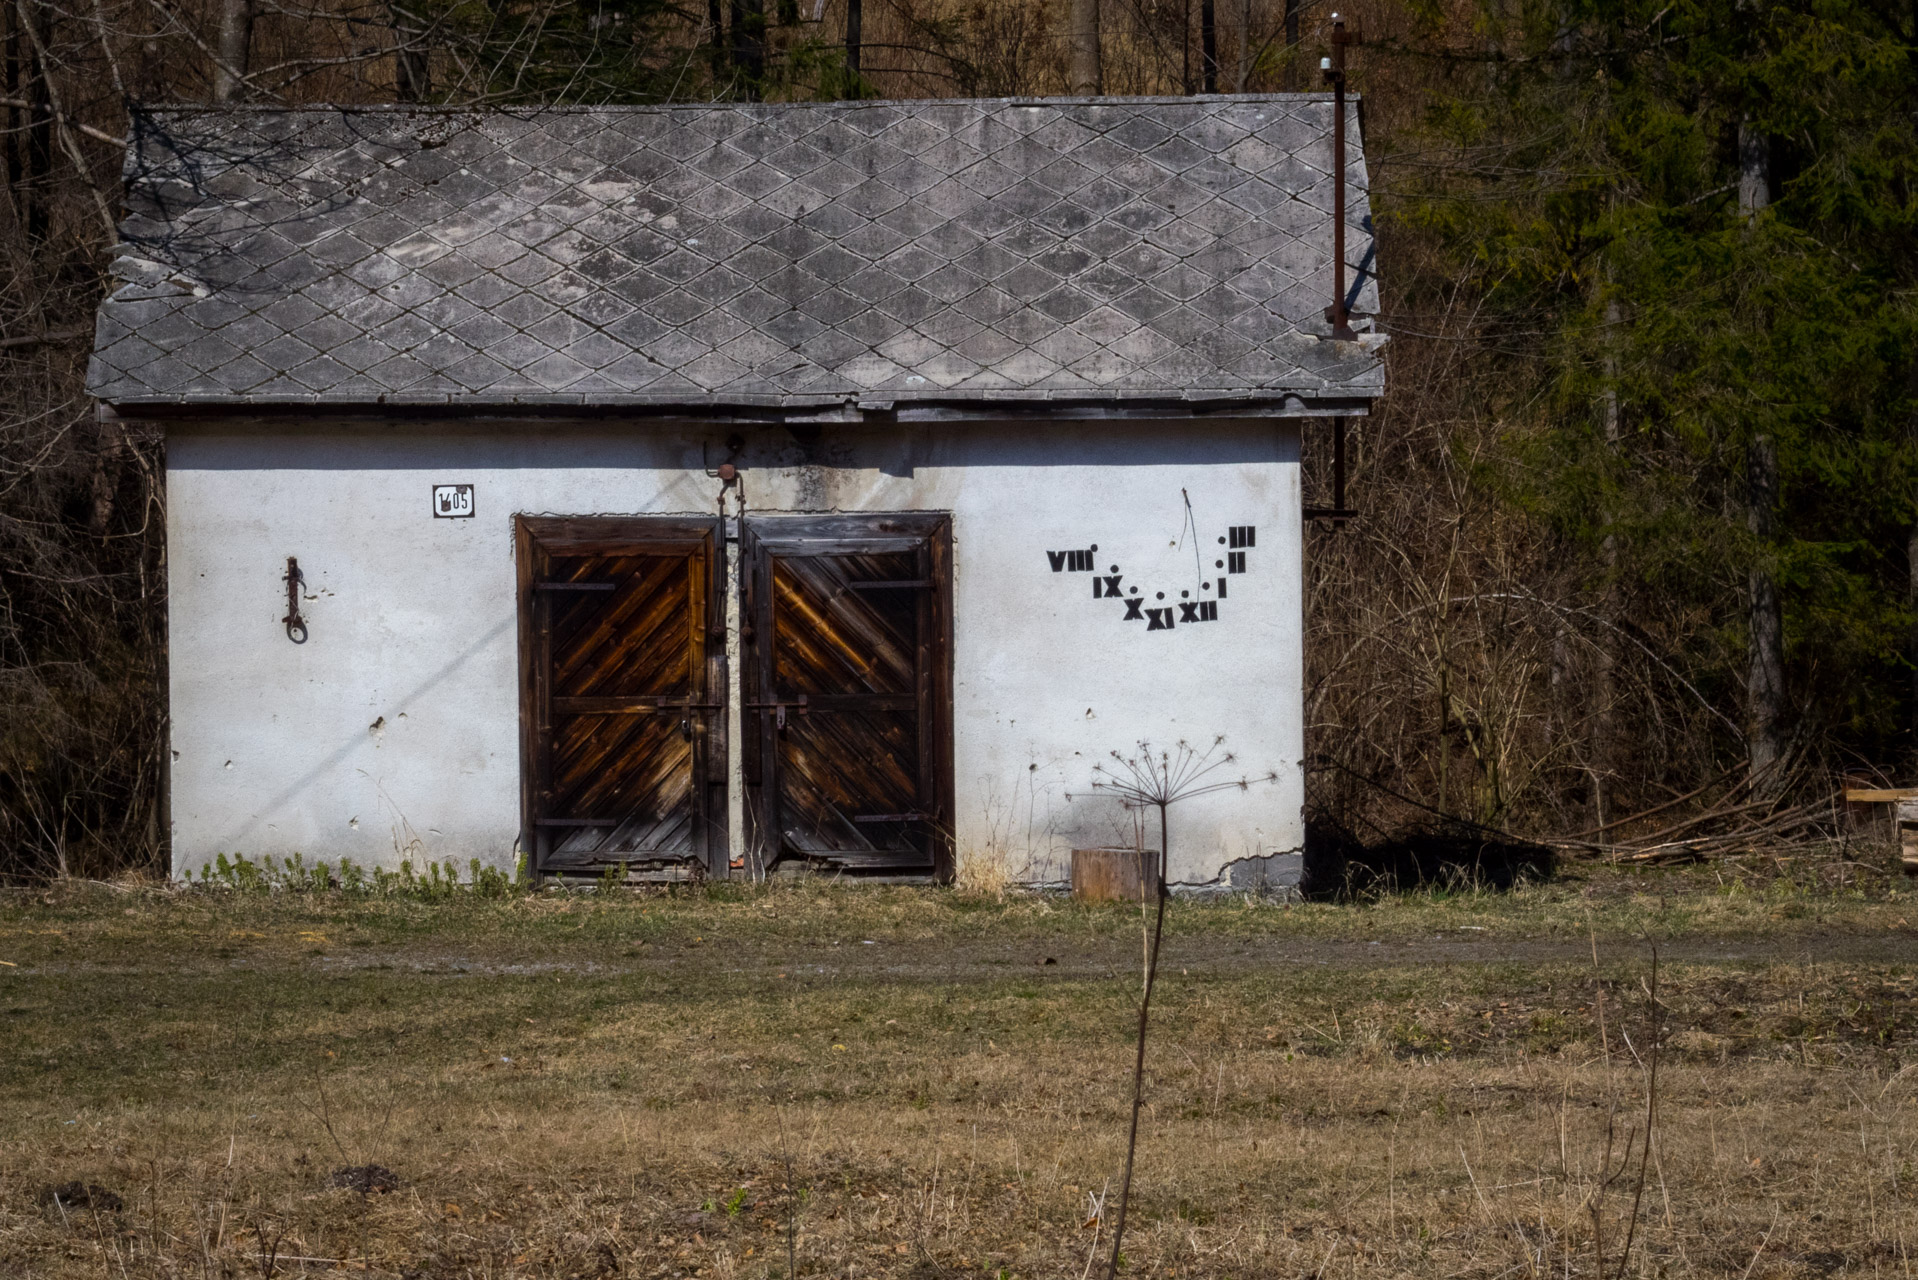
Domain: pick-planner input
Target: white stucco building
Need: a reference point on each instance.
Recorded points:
(721, 489)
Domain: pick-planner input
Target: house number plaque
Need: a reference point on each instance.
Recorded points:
(452, 501)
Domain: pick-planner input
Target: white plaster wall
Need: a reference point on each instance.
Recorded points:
(393, 731)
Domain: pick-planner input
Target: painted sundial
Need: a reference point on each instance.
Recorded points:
(1196, 602)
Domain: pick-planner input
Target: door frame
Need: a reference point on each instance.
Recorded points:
(535, 540)
(763, 536)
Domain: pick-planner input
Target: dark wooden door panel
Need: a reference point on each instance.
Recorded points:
(632, 776)
(848, 691)
(620, 658)
(850, 784)
(639, 638)
(833, 639)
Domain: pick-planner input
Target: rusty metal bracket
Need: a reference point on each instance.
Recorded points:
(778, 708)
(1338, 513)
(727, 472)
(295, 625)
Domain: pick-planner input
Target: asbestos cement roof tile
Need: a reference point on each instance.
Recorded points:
(762, 255)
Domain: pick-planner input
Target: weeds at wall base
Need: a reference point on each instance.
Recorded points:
(437, 881)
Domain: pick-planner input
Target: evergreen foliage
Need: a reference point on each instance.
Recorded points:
(1587, 192)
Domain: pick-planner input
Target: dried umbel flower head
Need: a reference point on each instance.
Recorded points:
(1154, 779)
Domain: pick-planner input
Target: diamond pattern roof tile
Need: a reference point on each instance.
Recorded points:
(782, 255)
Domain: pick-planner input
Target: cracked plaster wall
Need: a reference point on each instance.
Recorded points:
(393, 731)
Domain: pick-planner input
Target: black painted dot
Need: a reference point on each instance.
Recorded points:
(1161, 595)
(1222, 542)
(1135, 591)
(1218, 564)
(1095, 546)
(1184, 594)
(1205, 586)
(1113, 569)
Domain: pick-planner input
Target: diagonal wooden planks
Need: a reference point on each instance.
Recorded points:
(847, 783)
(617, 689)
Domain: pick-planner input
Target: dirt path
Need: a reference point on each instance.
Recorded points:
(884, 960)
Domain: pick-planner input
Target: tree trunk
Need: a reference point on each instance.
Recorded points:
(30, 150)
(1209, 45)
(412, 71)
(1605, 730)
(13, 83)
(1244, 69)
(108, 456)
(1911, 558)
(1754, 170)
(1765, 685)
(749, 44)
(1185, 51)
(1765, 681)
(1292, 8)
(40, 146)
(1083, 71)
(236, 49)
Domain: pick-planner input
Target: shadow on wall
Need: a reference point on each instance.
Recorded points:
(1442, 855)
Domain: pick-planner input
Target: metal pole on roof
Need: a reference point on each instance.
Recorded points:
(1334, 69)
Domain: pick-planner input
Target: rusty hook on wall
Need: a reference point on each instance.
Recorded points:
(294, 623)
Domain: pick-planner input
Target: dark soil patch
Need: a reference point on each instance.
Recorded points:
(81, 1195)
(366, 1178)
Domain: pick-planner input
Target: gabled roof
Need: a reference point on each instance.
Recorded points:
(1106, 252)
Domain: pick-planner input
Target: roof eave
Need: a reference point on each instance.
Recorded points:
(869, 410)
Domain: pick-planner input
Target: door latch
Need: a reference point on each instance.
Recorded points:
(778, 708)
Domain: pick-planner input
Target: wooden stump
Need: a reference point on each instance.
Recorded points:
(1115, 875)
(1906, 824)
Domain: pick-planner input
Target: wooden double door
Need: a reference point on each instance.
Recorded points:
(844, 630)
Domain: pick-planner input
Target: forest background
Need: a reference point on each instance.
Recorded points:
(1639, 530)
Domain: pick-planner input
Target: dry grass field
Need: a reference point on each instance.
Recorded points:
(893, 1082)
